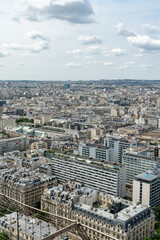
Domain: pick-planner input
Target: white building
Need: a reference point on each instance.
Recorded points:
(94, 151)
(109, 178)
(146, 188)
(136, 164)
(117, 145)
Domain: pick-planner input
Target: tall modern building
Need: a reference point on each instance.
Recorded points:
(136, 164)
(117, 146)
(108, 178)
(146, 188)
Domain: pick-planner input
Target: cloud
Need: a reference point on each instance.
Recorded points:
(87, 57)
(74, 51)
(108, 63)
(120, 30)
(145, 42)
(118, 51)
(151, 28)
(146, 66)
(127, 65)
(93, 62)
(39, 46)
(20, 64)
(138, 55)
(34, 48)
(74, 11)
(36, 35)
(73, 65)
(89, 39)
(3, 53)
(95, 49)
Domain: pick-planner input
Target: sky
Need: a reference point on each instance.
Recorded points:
(79, 39)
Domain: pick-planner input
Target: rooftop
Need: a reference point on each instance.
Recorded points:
(33, 227)
(149, 175)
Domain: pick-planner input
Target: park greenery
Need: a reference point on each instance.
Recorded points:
(24, 120)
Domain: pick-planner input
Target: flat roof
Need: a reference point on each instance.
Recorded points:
(148, 177)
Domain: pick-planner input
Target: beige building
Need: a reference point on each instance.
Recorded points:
(5, 122)
(40, 121)
(26, 187)
(146, 188)
(38, 145)
(115, 217)
(114, 112)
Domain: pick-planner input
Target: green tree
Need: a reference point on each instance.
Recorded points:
(157, 212)
(3, 236)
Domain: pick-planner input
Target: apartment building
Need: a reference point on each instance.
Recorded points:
(107, 177)
(25, 186)
(136, 164)
(117, 146)
(146, 188)
(117, 218)
(94, 151)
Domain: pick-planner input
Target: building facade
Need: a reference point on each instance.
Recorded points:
(146, 188)
(115, 217)
(135, 165)
(94, 151)
(117, 146)
(109, 178)
(26, 187)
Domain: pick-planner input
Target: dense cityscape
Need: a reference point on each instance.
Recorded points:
(79, 120)
(87, 151)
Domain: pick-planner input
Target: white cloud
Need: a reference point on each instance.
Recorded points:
(3, 53)
(108, 63)
(146, 66)
(74, 11)
(39, 46)
(88, 57)
(35, 48)
(94, 49)
(151, 28)
(28, 54)
(20, 64)
(120, 30)
(127, 65)
(36, 35)
(118, 51)
(89, 39)
(93, 62)
(138, 55)
(74, 51)
(145, 42)
(73, 65)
